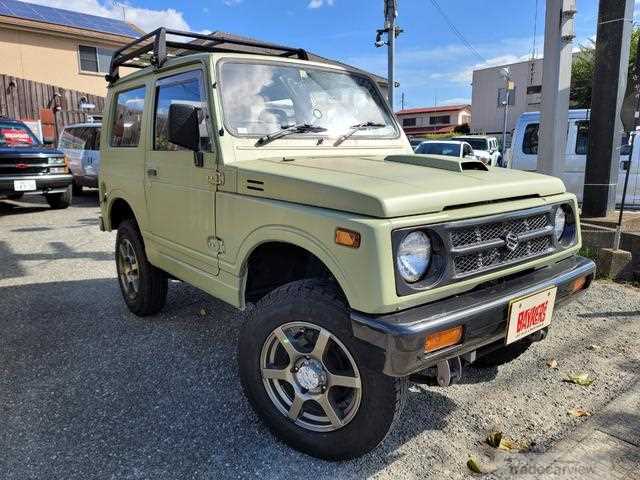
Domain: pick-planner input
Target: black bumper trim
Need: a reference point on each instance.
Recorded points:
(482, 313)
(44, 183)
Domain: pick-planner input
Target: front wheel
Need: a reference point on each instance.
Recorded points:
(305, 374)
(59, 201)
(143, 286)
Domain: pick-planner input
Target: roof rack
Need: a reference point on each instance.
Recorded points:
(155, 48)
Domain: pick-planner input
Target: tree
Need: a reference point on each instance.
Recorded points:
(582, 72)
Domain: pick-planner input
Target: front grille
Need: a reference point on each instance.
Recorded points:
(485, 246)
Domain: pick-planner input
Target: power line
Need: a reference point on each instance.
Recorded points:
(535, 33)
(456, 31)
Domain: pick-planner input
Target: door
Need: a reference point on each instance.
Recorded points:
(91, 160)
(525, 148)
(180, 194)
(73, 142)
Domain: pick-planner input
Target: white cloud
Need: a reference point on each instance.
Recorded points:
(232, 3)
(320, 3)
(145, 18)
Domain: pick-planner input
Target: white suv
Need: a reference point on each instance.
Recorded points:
(484, 148)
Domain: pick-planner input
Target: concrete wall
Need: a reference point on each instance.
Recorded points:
(487, 115)
(50, 58)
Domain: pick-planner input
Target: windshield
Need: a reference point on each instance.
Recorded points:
(476, 143)
(450, 149)
(261, 99)
(16, 135)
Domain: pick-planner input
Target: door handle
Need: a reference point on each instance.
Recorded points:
(152, 172)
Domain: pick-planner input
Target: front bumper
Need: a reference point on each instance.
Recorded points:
(482, 312)
(44, 183)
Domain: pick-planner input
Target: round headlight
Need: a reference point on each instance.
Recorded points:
(413, 256)
(560, 222)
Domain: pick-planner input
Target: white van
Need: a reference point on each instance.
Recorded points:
(524, 154)
(81, 144)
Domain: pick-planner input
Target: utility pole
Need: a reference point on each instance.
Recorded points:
(392, 31)
(615, 19)
(505, 73)
(559, 33)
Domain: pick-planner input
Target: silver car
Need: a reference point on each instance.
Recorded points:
(81, 143)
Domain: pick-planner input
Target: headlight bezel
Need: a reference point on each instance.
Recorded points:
(568, 238)
(435, 268)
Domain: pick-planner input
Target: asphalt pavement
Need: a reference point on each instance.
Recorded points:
(88, 390)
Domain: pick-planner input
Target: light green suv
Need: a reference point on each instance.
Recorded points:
(286, 188)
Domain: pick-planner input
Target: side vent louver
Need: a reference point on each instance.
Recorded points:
(257, 185)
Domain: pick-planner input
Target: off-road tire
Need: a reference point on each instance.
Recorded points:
(153, 283)
(503, 355)
(320, 303)
(59, 201)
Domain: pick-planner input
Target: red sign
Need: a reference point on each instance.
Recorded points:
(15, 136)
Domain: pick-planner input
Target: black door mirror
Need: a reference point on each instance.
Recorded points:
(184, 126)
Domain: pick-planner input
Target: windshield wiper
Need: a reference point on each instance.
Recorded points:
(356, 128)
(289, 130)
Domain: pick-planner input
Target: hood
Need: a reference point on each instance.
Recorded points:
(387, 187)
(482, 153)
(36, 150)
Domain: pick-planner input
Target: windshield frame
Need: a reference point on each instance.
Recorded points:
(254, 61)
(14, 124)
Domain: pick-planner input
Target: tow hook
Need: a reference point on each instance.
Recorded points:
(449, 371)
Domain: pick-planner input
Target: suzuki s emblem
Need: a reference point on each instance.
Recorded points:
(511, 241)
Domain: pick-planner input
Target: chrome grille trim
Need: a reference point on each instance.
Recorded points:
(480, 245)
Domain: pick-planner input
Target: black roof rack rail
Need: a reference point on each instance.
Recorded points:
(154, 48)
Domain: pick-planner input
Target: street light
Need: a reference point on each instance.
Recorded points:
(509, 85)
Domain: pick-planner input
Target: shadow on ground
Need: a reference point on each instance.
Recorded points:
(89, 390)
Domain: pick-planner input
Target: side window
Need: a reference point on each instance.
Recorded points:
(186, 88)
(582, 137)
(530, 140)
(96, 138)
(76, 138)
(125, 130)
(466, 150)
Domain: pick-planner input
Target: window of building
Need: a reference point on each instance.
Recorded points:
(186, 88)
(94, 59)
(408, 122)
(128, 118)
(534, 89)
(440, 120)
(530, 140)
(582, 137)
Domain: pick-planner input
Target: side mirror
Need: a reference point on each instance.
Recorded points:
(184, 126)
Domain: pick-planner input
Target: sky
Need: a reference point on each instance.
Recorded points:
(434, 66)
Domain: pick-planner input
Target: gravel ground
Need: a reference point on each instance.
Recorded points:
(88, 390)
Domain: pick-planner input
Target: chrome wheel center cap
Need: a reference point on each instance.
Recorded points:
(310, 375)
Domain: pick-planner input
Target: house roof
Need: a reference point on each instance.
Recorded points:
(67, 18)
(443, 108)
(312, 56)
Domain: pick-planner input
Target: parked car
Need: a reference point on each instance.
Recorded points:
(362, 262)
(485, 148)
(523, 154)
(415, 142)
(27, 167)
(81, 143)
(448, 148)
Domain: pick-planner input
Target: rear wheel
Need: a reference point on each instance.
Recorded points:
(143, 286)
(77, 188)
(305, 374)
(59, 201)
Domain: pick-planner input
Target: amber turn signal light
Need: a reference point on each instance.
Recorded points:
(348, 238)
(444, 338)
(578, 284)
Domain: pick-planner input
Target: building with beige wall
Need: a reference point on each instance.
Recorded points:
(59, 47)
(488, 93)
(433, 120)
